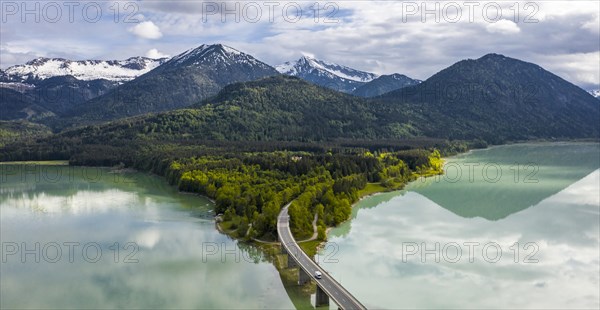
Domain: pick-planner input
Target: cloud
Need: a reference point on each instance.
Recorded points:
(146, 30)
(503, 26)
(593, 25)
(380, 40)
(11, 57)
(181, 7)
(579, 68)
(155, 54)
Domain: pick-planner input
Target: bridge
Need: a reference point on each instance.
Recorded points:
(327, 286)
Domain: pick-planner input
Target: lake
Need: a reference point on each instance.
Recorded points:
(507, 227)
(76, 238)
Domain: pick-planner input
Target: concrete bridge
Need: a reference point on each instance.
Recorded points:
(327, 286)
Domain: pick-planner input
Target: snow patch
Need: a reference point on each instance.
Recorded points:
(306, 64)
(20, 87)
(86, 70)
(286, 68)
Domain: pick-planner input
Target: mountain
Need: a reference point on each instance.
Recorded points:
(384, 84)
(595, 93)
(85, 70)
(498, 99)
(330, 75)
(494, 98)
(181, 81)
(53, 86)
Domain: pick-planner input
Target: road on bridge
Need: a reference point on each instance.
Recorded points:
(327, 283)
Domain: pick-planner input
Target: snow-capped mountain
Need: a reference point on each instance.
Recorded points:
(306, 64)
(595, 93)
(185, 79)
(214, 54)
(85, 70)
(58, 85)
(326, 74)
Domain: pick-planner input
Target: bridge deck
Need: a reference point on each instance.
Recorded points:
(327, 283)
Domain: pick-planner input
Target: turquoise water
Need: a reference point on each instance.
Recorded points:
(171, 256)
(169, 253)
(436, 243)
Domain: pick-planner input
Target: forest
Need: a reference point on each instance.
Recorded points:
(249, 189)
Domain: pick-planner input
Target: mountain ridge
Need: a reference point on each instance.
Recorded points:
(494, 98)
(183, 80)
(42, 68)
(498, 98)
(384, 84)
(330, 75)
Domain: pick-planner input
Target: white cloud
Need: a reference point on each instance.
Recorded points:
(146, 30)
(9, 57)
(593, 25)
(308, 54)
(369, 35)
(155, 54)
(503, 26)
(579, 68)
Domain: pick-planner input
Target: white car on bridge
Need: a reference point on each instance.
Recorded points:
(318, 275)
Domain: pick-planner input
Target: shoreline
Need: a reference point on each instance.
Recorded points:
(37, 162)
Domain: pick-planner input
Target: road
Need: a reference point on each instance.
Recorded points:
(327, 283)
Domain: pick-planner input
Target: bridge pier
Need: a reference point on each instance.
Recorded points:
(303, 277)
(322, 298)
(283, 250)
(291, 263)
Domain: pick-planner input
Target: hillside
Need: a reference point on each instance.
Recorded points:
(18, 105)
(51, 97)
(497, 99)
(21, 131)
(275, 108)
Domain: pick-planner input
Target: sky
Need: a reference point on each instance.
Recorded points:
(416, 38)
